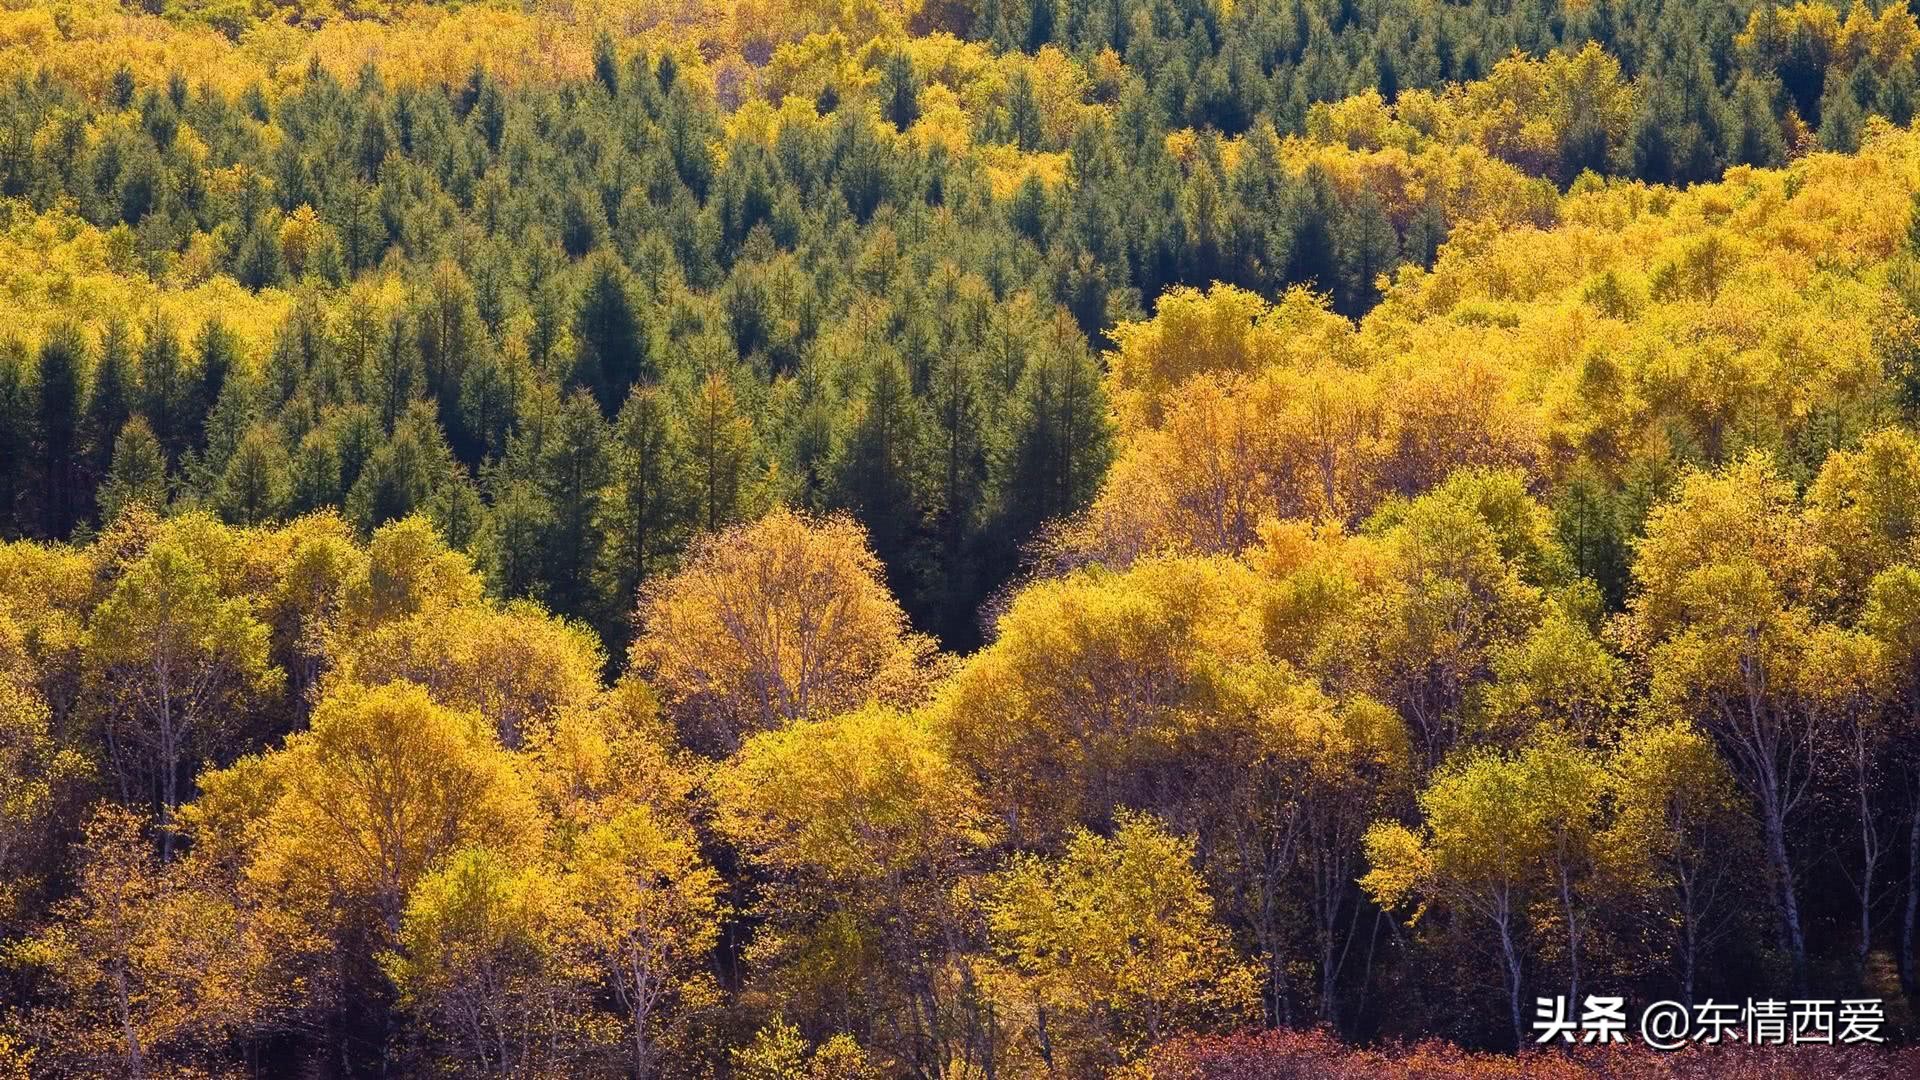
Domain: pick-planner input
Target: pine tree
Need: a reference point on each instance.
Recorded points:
(313, 480)
(900, 90)
(217, 350)
(138, 475)
(646, 509)
(400, 476)
(572, 472)
(1059, 444)
(164, 394)
(397, 378)
(60, 391)
(254, 487)
(877, 462)
(1367, 247)
(613, 350)
(720, 441)
(1313, 257)
(450, 335)
(111, 400)
(606, 65)
(16, 438)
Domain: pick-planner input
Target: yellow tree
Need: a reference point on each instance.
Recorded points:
(517, 666)
(409, 570)
(770, 622)
(484, 962)
(334, 831)
(779, 1052)
(1892, 617)
(316, 562)
(1116, 947)
(1679, 832)
(1231, 452)
(591, 764)
(383, 786)
(1729, 584)
(1474, 851)
(1102, 688)
(1355, 761)
(649, 915)
(1459, 578)
(1284, 827)
(152, 973)
(1846, 681)
(864, 826)
(1865, 507)
(38, 782)
(1192, 333)
(173, 658)
(1559, 675)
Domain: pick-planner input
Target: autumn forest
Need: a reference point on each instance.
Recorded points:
(954, 539)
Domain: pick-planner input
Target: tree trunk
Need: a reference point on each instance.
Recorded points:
(1789, 905)
(1573, 936)
(169, 775)
(1909, 980)
(1869, 848)
(1503, 919)
(136, 1064)
(1689, 948)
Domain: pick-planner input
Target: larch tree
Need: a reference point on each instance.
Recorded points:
(1059, 443)
(614, 350)
(572, 471)
(60, 383)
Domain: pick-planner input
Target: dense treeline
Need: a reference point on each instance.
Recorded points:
(844, 294)
(949, 541)
(555, 321)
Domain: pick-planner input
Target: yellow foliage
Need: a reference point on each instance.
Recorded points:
(383, 786)
(518, 667)
(55, 266)
(773, 622)
(1008, 167)
(1094, 677)
(1116, 939)
(1221, 330)
(1886, 40)
(856, 799)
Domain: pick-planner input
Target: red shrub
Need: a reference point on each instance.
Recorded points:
(1315, 1055)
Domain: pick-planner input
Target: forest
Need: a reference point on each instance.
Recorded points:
(953, 539)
